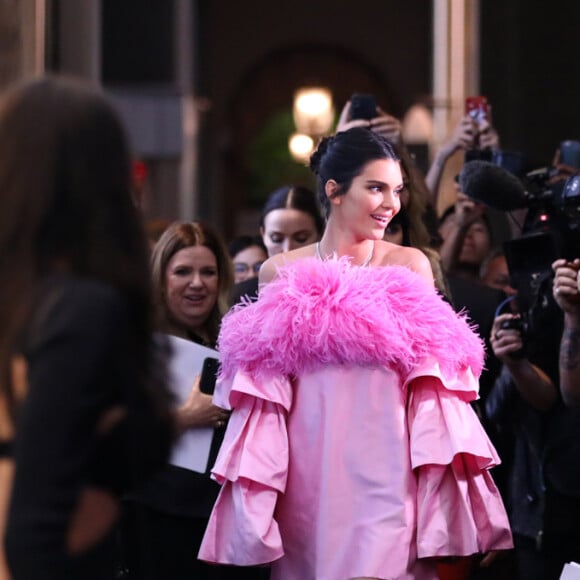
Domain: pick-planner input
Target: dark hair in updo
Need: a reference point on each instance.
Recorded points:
(294, 197)
(343, 156)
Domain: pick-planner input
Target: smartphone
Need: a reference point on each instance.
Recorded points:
(478, 108)
(363, 106)
(208, 375)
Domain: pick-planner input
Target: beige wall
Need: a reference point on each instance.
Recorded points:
(21, 39)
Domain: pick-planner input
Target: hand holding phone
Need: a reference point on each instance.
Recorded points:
(478, 109)
(363, 106)
(198, 410)
(208, 375)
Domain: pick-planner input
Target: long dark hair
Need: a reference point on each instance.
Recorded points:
(65, 204)
(343, 156)
(421, 217)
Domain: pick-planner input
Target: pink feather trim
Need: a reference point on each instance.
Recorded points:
(331, 313)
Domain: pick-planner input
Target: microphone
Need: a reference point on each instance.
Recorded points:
(492, 185)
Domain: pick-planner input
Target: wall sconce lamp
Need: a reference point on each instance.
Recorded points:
(417, 133)
(417, 126)
(313, 116)
(301, 147)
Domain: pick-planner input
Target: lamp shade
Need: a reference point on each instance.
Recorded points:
(313, 111)
(301, 147)
(417, 127)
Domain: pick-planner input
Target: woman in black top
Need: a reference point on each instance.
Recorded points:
(81, 381)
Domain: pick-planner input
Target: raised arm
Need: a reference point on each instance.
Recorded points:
(466, 213)
(462, 138)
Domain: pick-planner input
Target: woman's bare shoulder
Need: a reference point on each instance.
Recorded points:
(388, 254)
(270, 267)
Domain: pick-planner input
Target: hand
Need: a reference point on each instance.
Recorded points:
(505, 342)
(467, 211)
(488, 137)
(198, 411)
(463, 137)
(345, 122)
(566, 285)
(387, 126)
(562, 171)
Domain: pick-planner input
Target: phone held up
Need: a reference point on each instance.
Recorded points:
(208, 375)
(363, 106)
(479, 110)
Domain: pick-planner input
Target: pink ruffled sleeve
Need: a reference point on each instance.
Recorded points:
(252, 467)
(459, 509)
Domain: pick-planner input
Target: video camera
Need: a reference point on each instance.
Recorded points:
(550, 230)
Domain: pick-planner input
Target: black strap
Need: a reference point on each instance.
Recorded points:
(5, 449)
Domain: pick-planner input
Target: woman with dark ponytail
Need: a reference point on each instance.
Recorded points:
(352, 450)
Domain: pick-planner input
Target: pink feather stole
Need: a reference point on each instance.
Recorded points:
(332, 313)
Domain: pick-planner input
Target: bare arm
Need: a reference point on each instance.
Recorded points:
(466, 212)
(567, 295)
(462, 138)
(533, 383)
(570, 364)
(269, 269)
(412, 258)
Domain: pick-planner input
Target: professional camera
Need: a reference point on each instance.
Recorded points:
(551, 228)
(520, 324)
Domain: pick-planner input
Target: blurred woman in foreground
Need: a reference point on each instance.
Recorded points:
(82, 384)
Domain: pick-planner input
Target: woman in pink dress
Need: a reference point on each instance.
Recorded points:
(352, 450)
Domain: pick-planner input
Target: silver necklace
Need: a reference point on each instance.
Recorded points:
(363, 265)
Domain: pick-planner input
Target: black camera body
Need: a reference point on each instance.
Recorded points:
(514, 324)
(551, 230)
(522, 326)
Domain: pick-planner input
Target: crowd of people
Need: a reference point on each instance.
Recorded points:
(387, 405)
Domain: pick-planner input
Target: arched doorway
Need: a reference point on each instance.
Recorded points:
(260, 117)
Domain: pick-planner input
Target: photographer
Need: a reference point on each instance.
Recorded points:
(567, 295)
(528, 413)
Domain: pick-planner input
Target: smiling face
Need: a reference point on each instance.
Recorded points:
(372, 200)
(191, 287)
(287, 229)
